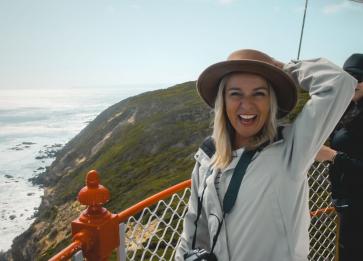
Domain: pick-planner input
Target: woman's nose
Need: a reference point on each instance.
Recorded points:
(246, 103)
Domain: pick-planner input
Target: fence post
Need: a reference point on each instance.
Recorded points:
(96, 227)
(121, 250)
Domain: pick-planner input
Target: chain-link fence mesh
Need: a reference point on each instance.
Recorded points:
(154, 233)
(323, 227)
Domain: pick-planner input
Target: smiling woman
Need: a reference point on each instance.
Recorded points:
(249, 200)
(248, 99)
(245, 102)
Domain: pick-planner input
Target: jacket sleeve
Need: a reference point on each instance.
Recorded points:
(202, 239)
(331, 90)
(350, 166)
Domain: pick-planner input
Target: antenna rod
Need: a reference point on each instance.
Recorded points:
(302, 29)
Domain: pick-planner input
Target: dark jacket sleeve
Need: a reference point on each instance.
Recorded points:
(345, 164)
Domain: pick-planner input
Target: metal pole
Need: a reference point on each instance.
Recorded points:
(302, 29)
(303, 24)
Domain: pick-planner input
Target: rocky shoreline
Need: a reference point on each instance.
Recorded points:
(49, 152)
(44, 156)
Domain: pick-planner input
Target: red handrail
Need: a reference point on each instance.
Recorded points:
(68, 252)
(321, 211)
(138, 207)
(131, 211)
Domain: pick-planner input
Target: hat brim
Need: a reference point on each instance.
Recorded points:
(283, 85)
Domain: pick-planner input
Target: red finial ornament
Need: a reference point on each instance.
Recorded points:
(93, 194)
(96, 227)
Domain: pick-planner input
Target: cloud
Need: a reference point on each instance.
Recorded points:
(226, 2)
(110, 9)
(298, 9)
(276, 9)
(335, 8)
(135, 6)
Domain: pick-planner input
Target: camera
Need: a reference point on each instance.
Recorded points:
(199, 255)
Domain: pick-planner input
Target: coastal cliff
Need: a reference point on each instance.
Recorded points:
(139, 146)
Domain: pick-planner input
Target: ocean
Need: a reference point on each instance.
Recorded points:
(34, 125)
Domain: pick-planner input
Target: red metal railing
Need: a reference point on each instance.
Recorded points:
(96, 231)
(69, 251)
(321, 211)
(131, 211)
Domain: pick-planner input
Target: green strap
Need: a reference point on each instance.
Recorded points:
(236, 180)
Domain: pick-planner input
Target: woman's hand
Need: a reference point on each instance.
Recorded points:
(325, 154)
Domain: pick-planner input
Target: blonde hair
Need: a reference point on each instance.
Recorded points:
(223, 132)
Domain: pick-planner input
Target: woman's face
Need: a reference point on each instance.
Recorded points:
(247, 99)
(358, 95)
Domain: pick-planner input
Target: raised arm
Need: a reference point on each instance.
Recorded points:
(330, 89)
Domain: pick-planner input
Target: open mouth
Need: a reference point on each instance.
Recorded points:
(248, 119)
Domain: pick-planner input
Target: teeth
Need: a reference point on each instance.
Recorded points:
(247, 117)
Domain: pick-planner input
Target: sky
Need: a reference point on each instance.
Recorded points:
(82, 43)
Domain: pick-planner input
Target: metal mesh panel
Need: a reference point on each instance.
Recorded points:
(154, 233)
(323, 227)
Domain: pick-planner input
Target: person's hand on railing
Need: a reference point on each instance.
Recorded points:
(326, 154)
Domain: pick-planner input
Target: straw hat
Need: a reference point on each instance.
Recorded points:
(250, 61)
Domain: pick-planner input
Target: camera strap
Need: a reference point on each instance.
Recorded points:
(199, 212)
(230, 196)
(232, 191)
(236, 180)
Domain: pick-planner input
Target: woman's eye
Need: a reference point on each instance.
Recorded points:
(234, 94)
(260, 94)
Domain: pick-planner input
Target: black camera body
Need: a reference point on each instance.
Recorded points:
(199, 255)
